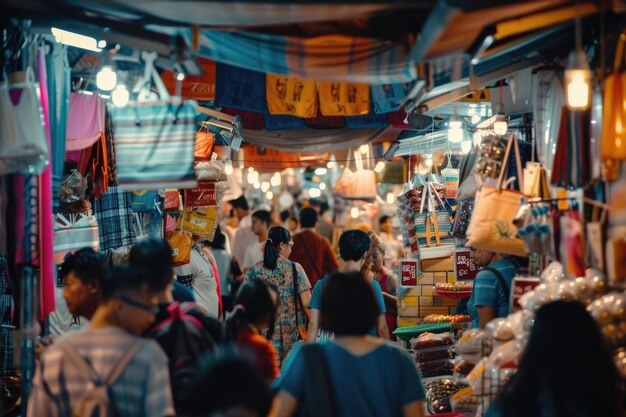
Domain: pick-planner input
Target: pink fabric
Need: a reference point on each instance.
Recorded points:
(216, 274)
(85, 121)
(46, 225)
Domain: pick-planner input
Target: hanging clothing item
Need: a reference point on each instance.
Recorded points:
(292, 96)
(571, 160)
(240, 88)
(47, 269)
(85, 121)
(23, 148)
(114, 215)
(342, 99)
(154, 144)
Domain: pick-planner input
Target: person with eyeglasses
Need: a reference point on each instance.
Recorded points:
(75, 366)
(293, 287)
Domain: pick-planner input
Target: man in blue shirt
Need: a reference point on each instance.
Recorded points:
(353, 247)
(492, 287)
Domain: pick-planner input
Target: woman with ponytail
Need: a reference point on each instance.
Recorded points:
(293, 287)
(255, 311)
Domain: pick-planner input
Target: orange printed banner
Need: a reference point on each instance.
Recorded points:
(292, 96)
(342, 99)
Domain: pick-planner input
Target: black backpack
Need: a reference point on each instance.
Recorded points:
(184, 339)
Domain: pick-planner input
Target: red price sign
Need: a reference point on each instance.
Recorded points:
(520, 287)
(409, 273)
(465, 267)
(203, 196)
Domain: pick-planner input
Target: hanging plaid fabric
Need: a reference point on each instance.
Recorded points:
(292, 96)
(281, 122)
(571, 161)
(342, 99)
(114, 215)
(154, 144)
(240, 88)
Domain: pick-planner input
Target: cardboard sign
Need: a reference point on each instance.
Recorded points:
(410, 273)
(202, 196)
(465, 267)
(520, 287)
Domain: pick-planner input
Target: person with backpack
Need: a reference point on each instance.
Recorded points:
(107, 369)
(182, 330)
(293, 287)
(255, 311)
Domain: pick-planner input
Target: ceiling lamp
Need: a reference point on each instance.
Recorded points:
(269, 195)
(120, 95)
(321, 171)
(322, 186)
(364, 149)
(391, 198)
(106, 78)
(380, 166)
(77, 40)
(455, 129)
(315, 192)
(275, 180)
(354, 213)
(228, 167)
(331, 164)
(265, 186)
(500, 126)
(466, 146)
(578, 75)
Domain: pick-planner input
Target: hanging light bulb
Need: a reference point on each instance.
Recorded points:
(466, 146)
(180, 76)
(257, 185)
(269, 195)
(106, 78)
(455, 129)
(120, 95)
(500, 126)
(363, 149)
(354, 213)
(391, 198)
(380, 166)
(265, 186)
(228, 167)
(322, 186)
(428, 161)
(275, 180)
(331, 164)
(315, 192)
(321, 171)
(250, 169)
(578, 81)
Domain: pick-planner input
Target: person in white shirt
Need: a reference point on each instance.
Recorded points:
(393, 247)
(261, 221)
(244, 236)
(198, 275)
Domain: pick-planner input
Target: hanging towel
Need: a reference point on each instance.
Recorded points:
(85, 122)
(342, 99)
(240, 88)
(293, 96)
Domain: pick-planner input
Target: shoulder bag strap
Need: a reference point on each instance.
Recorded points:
(311, 260)
(503, 284)
(123, 362)
(79, 361)
(295, 289)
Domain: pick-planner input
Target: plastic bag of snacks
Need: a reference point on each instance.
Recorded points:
(610, 313)
(433, 354)
(430, 340)
(439, 393)
(465, 402)
(500, 330)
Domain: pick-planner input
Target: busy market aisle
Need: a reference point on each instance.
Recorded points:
(248, 208)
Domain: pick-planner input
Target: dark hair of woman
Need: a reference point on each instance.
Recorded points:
(355, 315)
(275, 237)
(565, 371)
(254, 304)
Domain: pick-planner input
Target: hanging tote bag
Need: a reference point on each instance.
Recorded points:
(201, 221)
(203, 148)
(72, 233)
(154, 140)
(491, 227)
(23, 143)
(450, 178)
(180, 242)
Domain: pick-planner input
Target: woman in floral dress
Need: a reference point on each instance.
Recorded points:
(277, 270)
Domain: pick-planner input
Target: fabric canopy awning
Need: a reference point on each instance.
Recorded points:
(336, 58)
(316, 140)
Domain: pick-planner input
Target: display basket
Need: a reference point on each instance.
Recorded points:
(462, 294)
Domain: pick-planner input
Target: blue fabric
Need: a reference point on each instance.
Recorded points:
(341, 59)
(386, 98)
(377, 384)
(182, 293)
(240, 88)
(488, 291)
(283, 122)
(316, 298)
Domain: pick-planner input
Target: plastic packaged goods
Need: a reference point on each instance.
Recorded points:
(610, 313)
(465, 402)
(506, 356)
(439, 394)
(462, 368)
(471, 342)
(429, 340)
(620, 361)
(433, 354)
(435, 368)
(444, 318)
(500, 330)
